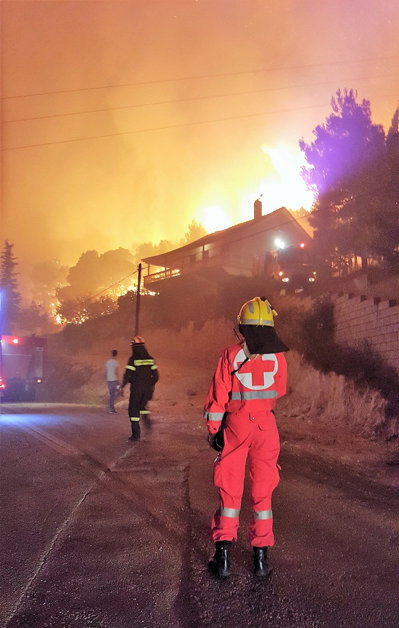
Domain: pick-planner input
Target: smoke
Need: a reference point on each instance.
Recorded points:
(151, 164)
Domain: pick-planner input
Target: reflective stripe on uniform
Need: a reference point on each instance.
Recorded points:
(251, 321)
(135, 418)
(144, 412)
(255, 394)
(154, 368)
(214, 416)
(131, 368)
(230, 512)
(143, 362)
(263, 514)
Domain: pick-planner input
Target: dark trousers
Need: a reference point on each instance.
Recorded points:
(138, 399)
(112, 389)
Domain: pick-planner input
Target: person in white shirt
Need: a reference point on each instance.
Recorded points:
(112, 377)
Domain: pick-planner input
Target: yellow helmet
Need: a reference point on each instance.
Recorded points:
(257, 311)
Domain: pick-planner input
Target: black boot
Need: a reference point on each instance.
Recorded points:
(219, 565)
(136, 431)
(261, 567)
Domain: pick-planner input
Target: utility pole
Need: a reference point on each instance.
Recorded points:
(138, 301)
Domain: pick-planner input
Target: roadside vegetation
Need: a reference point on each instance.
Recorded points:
(318, 393)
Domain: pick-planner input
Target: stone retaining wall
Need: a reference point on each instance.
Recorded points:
(360, 318)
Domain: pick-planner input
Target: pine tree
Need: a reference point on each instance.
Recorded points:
(10, 297)
(387, 243)
(345, 166)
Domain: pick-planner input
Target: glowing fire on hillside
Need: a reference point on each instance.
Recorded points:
(284, 188)
(80, 310)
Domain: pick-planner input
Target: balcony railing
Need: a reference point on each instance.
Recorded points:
(161, 275)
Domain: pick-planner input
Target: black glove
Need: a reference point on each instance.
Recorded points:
(216, 441)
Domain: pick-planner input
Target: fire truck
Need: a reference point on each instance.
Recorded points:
(22, 367)
(293, 267)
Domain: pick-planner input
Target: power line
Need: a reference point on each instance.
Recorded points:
(366, 193)
(194, 98)
(203, 76)
(97, 294)
(162, 128)
(166, 127)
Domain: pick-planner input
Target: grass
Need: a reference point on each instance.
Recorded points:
(332, 399)
(323, 398)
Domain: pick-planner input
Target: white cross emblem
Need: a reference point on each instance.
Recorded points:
(246, 378)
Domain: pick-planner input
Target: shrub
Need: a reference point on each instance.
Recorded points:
(333, 399)
(362, 365)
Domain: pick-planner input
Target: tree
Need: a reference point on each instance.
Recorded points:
(148, 249)
(77, 311)
(46, 277)
(94, 274)
(346, 162)
(195, 231)
(85, 277)
(116, 264)
(10, 297)
(388, 225)
(35, 319)
(299, 213)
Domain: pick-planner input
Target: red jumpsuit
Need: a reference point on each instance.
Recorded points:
(246, 399)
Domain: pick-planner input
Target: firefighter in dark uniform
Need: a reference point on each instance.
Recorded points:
(142, 375)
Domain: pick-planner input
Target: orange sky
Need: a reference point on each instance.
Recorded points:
(237, 81)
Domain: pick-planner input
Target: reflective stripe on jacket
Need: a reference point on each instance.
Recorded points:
(141, 372)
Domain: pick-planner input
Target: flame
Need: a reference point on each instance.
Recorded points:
(214, 218)
(112, 294)
(287, 187)
(282, 186)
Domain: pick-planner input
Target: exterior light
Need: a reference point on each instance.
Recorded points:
(311, 279)
(15, 341)
(285, 279)
(279, 243)
(280, 273)
(302, 245)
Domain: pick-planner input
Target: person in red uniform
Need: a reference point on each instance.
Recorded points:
(248, 380)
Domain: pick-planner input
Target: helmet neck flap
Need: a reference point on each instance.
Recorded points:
(262, 339)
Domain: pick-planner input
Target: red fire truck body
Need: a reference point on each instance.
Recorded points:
(293, 266)
(22, 366)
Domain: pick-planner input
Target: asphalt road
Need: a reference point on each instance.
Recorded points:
(100, 532)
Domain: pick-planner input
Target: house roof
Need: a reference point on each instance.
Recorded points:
(278, 219)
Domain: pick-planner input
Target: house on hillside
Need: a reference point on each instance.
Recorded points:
(246, 249)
